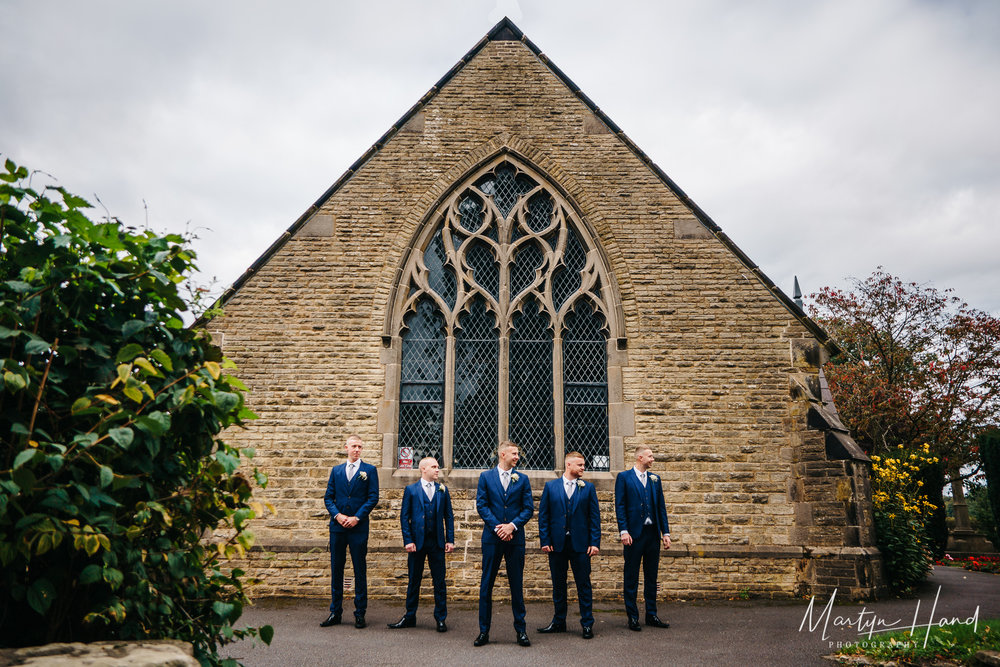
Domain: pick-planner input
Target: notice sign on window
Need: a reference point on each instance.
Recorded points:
(406, 457)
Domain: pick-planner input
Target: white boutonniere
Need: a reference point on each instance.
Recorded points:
(441, 488)
(514, 477)
(363, 475)
(654, 478)
(579, 483)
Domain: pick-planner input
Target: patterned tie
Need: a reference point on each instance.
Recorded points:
(569, 489)
(505, 479)
(350, 471)
(429, 490)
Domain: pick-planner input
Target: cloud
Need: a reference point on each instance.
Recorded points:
(826, 138)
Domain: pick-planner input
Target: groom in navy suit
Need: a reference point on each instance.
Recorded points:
(428, 525)
(351, 495)
(642, 522)
(569, 528)
(503, 500)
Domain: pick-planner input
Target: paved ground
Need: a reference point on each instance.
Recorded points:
(714, 634)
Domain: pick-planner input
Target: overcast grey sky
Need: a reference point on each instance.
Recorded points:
(825, 138)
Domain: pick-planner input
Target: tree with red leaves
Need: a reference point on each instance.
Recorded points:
(918, 365)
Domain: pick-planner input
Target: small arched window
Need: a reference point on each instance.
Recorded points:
(502, 317)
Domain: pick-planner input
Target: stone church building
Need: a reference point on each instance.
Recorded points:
(505, 263)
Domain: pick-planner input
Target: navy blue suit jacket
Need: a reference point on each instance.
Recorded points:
(632, 499)
(583, 512)
(355, 498)
(496, 506)
(411, 518)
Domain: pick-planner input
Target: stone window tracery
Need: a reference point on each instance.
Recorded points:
(503, 319)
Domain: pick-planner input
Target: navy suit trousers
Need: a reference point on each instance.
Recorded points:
(645, 548)
(358, 545)
(559, 563)
(415, 568)
(513, 556)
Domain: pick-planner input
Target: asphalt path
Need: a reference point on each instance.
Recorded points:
(711, 633)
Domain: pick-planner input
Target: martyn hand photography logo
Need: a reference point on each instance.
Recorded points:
(869, 622)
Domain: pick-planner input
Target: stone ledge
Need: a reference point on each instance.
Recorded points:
(676, 551)
(148, 653)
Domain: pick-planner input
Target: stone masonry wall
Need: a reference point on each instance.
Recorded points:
(707, 365)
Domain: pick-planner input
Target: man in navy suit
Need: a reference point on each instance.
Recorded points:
(503, 500)
(642, 522)
(428, 532)
(351, 495)
(569, 528)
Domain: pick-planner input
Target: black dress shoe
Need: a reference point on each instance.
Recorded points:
(522, 639)
(633, 624)
(359, 621)
(482, 639)
(553, 627)
(442, 627)
(653, 621)
(405, 622)
(588, 633)
(332, 619)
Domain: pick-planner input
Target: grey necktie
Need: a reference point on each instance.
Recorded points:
(505, 479)
(569, 489)
(350, 471)
(429, 490)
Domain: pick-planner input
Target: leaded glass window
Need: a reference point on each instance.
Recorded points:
(585, 385)
(504, 322)
(477, 351)
(530, 386)
(421, 385)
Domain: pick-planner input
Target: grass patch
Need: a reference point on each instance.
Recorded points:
(958, 643)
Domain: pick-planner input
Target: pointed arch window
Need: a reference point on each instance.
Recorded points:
(503, 318)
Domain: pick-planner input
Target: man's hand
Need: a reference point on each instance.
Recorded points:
(410, 548)
(342, 520)
(547, 549)
(449, 547)
(626, 539)
(592, 551)
(350, 522)
(666, 541)
(505, 531)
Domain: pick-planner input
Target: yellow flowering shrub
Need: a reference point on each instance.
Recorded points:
(901, 507)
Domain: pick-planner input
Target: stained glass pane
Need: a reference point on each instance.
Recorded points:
(566, 279)
(421, 389)
(483, 262)
(470, 210)
(440, 275)
(506, 186)
(528, 259)
(585, 385)
(477, 355)
(539, 213)
(531, 402)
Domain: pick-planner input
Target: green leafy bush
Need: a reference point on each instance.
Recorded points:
(111, 472)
